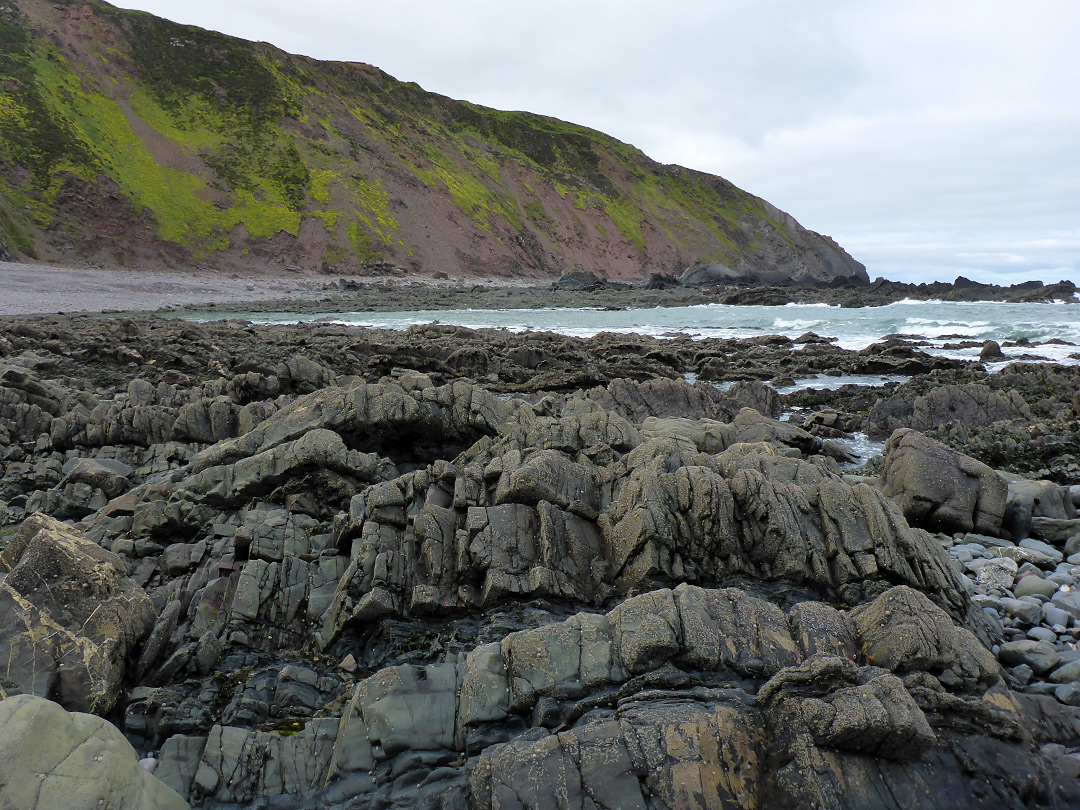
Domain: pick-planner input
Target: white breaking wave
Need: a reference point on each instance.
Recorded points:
(785, 325)
(938, 323)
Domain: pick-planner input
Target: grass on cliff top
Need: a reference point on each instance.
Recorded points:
(179, 63)
(568, 157)
(179, 201)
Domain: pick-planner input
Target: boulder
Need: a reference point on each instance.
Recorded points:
(1055, 530)
(1032, 585)
(108, 475)
(903, 631)
(940, 489)
(997, 575)
(51, 759)
(69, 616)
(831, 424)
(839, 705)
(752, 427)
(1031, 501)
(663, 398)
(1041, 656)
(700, 275)
(578, 280)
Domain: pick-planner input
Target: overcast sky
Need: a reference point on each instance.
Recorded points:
(931, 139)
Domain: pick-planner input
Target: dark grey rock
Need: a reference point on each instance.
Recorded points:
(70, 616)
(1039, 655)
(939, 488)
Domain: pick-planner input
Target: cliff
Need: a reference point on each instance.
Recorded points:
(127, 139)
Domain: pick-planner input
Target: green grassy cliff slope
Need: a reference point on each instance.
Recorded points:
(128, 139)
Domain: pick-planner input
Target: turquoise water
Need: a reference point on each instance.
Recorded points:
(939, 323)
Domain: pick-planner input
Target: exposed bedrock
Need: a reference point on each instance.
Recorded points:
(533, 513)
(339, 577)
(662, 398)
(971, 405)
(674, 699)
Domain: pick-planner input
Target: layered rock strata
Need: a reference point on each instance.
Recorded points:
(313, 583)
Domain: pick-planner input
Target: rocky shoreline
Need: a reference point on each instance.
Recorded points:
(327, 566)
(580, 289)
(40, 289)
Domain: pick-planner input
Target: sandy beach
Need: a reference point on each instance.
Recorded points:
(38, 289)
(42, 289)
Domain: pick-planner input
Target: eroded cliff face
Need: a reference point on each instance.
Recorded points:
(133, 140)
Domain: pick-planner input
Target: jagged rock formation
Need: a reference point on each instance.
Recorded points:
(341, 582)
(972, 406)
(139, 140)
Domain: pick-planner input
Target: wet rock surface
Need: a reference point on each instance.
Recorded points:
(442, 568)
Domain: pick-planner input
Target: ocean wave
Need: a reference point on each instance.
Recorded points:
(946, 322)
(798, 325)
(949, 330)
(851, 328)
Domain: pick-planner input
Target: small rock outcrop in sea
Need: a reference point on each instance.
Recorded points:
(318, 569)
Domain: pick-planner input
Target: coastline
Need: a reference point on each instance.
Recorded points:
(46, 289)
(43, 289)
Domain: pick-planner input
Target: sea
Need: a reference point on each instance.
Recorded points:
(1026, 332)
(1046, 332)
